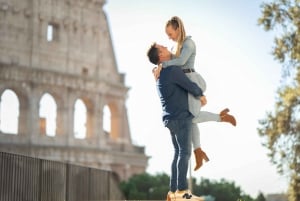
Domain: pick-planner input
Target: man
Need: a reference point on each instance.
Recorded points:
(173, 87)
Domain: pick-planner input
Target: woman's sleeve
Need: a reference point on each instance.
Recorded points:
(187, 50)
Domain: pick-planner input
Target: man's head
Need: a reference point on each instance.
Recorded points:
(158, 53)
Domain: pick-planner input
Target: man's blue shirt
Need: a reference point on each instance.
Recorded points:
(173, 87)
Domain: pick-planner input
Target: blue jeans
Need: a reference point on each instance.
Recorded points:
(181, 138)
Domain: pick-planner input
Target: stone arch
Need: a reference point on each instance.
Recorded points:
(9, 112)
(47, 115)
(59, 96)
(88, 117)
(80, 119)
(106, 119)
(22, 95)
(115, 119)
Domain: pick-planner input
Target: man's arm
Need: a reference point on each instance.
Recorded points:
(184, 82)
(187, 50)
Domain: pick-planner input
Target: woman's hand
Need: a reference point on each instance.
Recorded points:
(203, 100)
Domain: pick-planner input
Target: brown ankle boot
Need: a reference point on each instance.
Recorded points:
(199, 156)
(224, 112)
(228, 118)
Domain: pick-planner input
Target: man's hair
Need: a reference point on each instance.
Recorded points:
(153, 54)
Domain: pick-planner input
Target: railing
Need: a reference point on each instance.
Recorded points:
(24, 178)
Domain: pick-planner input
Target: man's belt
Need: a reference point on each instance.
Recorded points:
(188, 70)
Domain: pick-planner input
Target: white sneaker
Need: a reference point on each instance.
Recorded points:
(187, 195)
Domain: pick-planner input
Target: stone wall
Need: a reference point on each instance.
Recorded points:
(75, 62)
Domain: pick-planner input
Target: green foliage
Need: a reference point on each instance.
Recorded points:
(145, 186)
(221, 190)
(280, 129)
(260, 197)
(283, 16)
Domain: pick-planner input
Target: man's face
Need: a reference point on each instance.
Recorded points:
(163, 53)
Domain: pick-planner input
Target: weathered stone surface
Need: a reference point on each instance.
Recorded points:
(77, 62)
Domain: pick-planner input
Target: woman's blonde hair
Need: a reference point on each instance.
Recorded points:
(176, 23)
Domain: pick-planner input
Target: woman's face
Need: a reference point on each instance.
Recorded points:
(172, 33)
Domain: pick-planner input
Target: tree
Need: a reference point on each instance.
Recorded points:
(260, 197)
(221, 190)
(280, 129)
(146, 187)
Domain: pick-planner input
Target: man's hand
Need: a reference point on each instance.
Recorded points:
(156, 71)
(203, 100)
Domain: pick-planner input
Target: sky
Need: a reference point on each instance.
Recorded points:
(234, 57)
